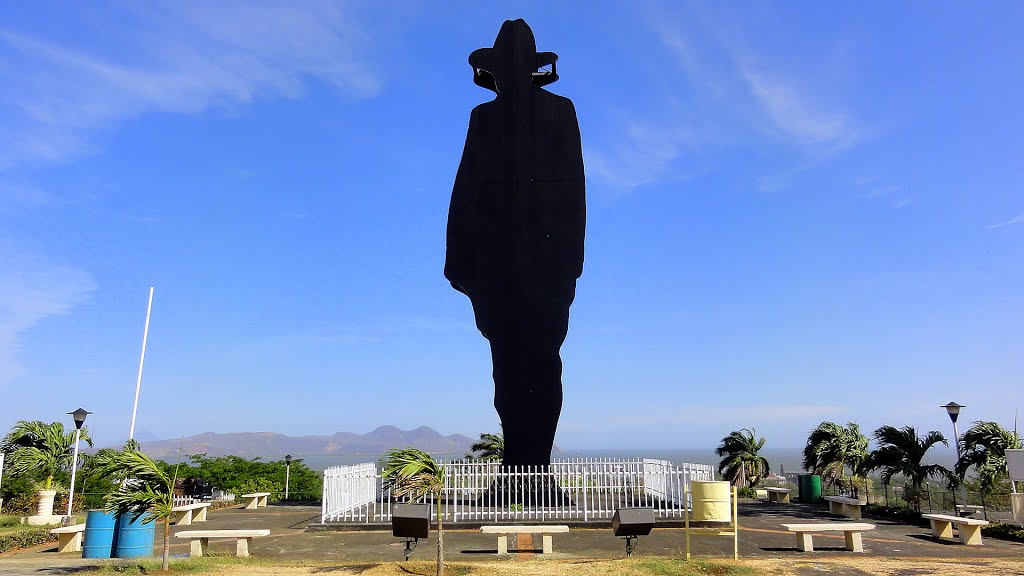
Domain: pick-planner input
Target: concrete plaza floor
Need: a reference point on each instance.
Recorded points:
(761, 536)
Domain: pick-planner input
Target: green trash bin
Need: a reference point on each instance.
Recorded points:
(809, 488)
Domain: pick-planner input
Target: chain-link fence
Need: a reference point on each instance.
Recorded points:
(929, 499)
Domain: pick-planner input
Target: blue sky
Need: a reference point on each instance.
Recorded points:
(796, 212)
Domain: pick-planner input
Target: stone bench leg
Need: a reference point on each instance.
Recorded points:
(854, 511)
(263, 502)
(198, 546)
(200, 515)
(547, 549)
(969, 535)
(785, 498)
(69, 542)
(503, 544)
(854, 543)
(242, 547)
(832, 507)
(942, 529)
(183, 518)
(251, 503)
(804, 542)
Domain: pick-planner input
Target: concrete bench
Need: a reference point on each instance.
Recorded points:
(778, 495)
(969, 509)
(844, 506)
(69, 538)
(185, 514)
(255, 500)
(851, 530)
(200, 539)
(544, 529)
(969, 529)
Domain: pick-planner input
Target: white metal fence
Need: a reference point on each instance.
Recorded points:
(477, 491)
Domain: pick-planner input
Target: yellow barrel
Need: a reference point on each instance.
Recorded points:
(711, 502)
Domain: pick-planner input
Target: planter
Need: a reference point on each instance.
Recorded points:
(46, 502)
(44, 512)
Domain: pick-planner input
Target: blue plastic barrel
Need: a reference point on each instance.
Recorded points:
(135, 539)
(100, 532)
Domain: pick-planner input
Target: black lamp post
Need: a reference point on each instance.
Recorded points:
(79, 417)
(953, 409)
(287, 473)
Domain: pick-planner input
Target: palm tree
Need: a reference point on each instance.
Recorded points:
(490, 447)
(145, 489)
(901, 451)
(412, 473)
(984, 447)
(832, 448)
(41, 450)
(742, 464)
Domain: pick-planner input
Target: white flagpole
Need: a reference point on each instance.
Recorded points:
(142, 359)
(2, 457)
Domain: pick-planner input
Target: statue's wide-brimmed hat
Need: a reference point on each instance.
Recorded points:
(513, 55)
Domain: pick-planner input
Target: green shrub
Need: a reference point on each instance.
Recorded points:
(8, 521)
(1010, 532)
(240, 476)
(746, 492)
(25, 538)
(898, 513)
(261, 485)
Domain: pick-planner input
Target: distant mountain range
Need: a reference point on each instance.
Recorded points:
(271, 445)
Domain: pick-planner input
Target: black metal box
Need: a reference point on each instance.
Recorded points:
(633, 521)
(410, 520)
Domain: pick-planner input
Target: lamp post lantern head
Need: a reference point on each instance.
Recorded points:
(953, 409)
(288, 459)
(79, 416)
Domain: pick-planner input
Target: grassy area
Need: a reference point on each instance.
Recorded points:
(203, 565)
(226, 565)
(672, 567)
(13, 523)
(866, 566)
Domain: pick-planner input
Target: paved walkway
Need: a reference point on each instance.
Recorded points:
(760, 537)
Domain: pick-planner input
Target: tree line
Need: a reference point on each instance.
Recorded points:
(840, 455)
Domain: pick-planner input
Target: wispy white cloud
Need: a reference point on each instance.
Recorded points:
(178, 57)
(17, 195)
(640, 156)
(895, 195)
(734, 97)
(31, 290)
(1018, 219)
(879, 191)
(793, 114)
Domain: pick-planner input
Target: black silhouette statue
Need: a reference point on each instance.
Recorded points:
(515, 234)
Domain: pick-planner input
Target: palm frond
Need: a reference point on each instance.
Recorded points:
(901, 451)
(490, 447)
(41, 449)
(409, 472)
